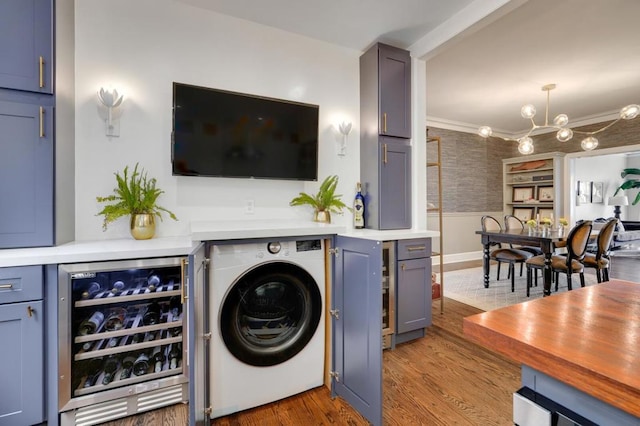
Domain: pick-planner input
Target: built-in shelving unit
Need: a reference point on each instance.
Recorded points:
(533, 186)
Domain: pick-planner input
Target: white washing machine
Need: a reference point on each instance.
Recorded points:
(267, 303)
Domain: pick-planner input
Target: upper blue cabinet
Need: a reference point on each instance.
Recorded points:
(26, 45)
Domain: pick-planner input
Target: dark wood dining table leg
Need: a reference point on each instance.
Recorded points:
(485, 261)
(548, 252)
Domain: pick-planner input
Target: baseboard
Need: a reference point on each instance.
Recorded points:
(458, 257)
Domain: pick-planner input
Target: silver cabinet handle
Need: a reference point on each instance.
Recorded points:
(418, 248)
(7, 286)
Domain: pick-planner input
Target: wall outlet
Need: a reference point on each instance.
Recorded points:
(249, 206)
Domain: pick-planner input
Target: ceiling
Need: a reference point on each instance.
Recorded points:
(484, 58)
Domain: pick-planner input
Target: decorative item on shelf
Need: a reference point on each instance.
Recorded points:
(111, 101)
(136, 196)
(629, 184)
(324, 202)
(590, 142)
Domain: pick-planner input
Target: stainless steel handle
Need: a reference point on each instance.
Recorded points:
(384, 156)
(384, 122)
(42, 122)
(41, 71)
(417, 248)
(402, 266)
(6, 286)
(183, 266)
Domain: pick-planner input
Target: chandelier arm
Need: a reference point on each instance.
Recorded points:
(599, 130)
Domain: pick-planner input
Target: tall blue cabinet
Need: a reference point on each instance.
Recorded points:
(385, 138)
(26, 123)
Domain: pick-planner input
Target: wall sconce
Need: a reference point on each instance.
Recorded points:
(110, 111)
(345, 129)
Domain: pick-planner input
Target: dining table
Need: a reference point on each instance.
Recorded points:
(525, 237)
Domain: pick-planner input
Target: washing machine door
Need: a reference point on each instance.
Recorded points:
(270, 313)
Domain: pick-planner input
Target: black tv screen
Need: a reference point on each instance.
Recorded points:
(228, 134)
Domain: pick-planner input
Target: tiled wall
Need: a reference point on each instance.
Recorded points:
(471, 171)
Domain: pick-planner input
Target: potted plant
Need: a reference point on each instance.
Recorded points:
(135, 195)
(630, 183)
(324, 202)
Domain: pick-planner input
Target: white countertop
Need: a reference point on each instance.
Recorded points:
(394, 234)
(240, 230)
(94, 251)
(128, 248)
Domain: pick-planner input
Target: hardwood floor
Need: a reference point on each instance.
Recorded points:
(442, 379)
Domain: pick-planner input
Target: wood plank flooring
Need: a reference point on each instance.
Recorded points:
(442, 379)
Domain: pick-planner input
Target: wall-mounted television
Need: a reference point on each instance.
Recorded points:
(227, 134)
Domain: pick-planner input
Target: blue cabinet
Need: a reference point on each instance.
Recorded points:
(357, 326)
(26, 45)
(21, 334)
(385, 145)
(413, 292)
(26, 123)
(26, 174)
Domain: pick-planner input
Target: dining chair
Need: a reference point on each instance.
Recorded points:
(600, 260)
(511, 256)
(567, 264)
(512, 222)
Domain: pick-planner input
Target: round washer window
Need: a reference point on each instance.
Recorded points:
(270, 314)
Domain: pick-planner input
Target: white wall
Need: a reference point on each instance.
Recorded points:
(141, 47)
(606, 169)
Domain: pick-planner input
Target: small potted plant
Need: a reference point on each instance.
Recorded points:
(136, 196)
(324, 202)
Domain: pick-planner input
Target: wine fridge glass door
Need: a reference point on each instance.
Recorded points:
(121, 329)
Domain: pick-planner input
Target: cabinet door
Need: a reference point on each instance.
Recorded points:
(357, 326)
(21, 363)
(395, 184)
(198, 349)
(26, 175)
(26, 45)
(413, 294)
(395, 91)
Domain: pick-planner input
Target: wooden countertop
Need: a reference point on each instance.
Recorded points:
(588, 338)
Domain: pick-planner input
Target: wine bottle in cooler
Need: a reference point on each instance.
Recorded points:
(127, 366)
(358, 208)
(111, 365)
(91, 290)
(141, 364)
(175, 308)
(93, 371)
(153, 282)
(117, 287)
(115, 319)
(158, 359)
(175, 354)
(152, 316)
(92, 324)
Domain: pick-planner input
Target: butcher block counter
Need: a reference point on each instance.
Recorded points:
(588, 338)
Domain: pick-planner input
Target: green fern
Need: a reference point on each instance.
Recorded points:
(325, 200)
(630, 183)
(134, 194)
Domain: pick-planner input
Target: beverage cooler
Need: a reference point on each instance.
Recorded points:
(122, 338)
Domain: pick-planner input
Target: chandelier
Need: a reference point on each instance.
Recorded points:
(589, 143)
